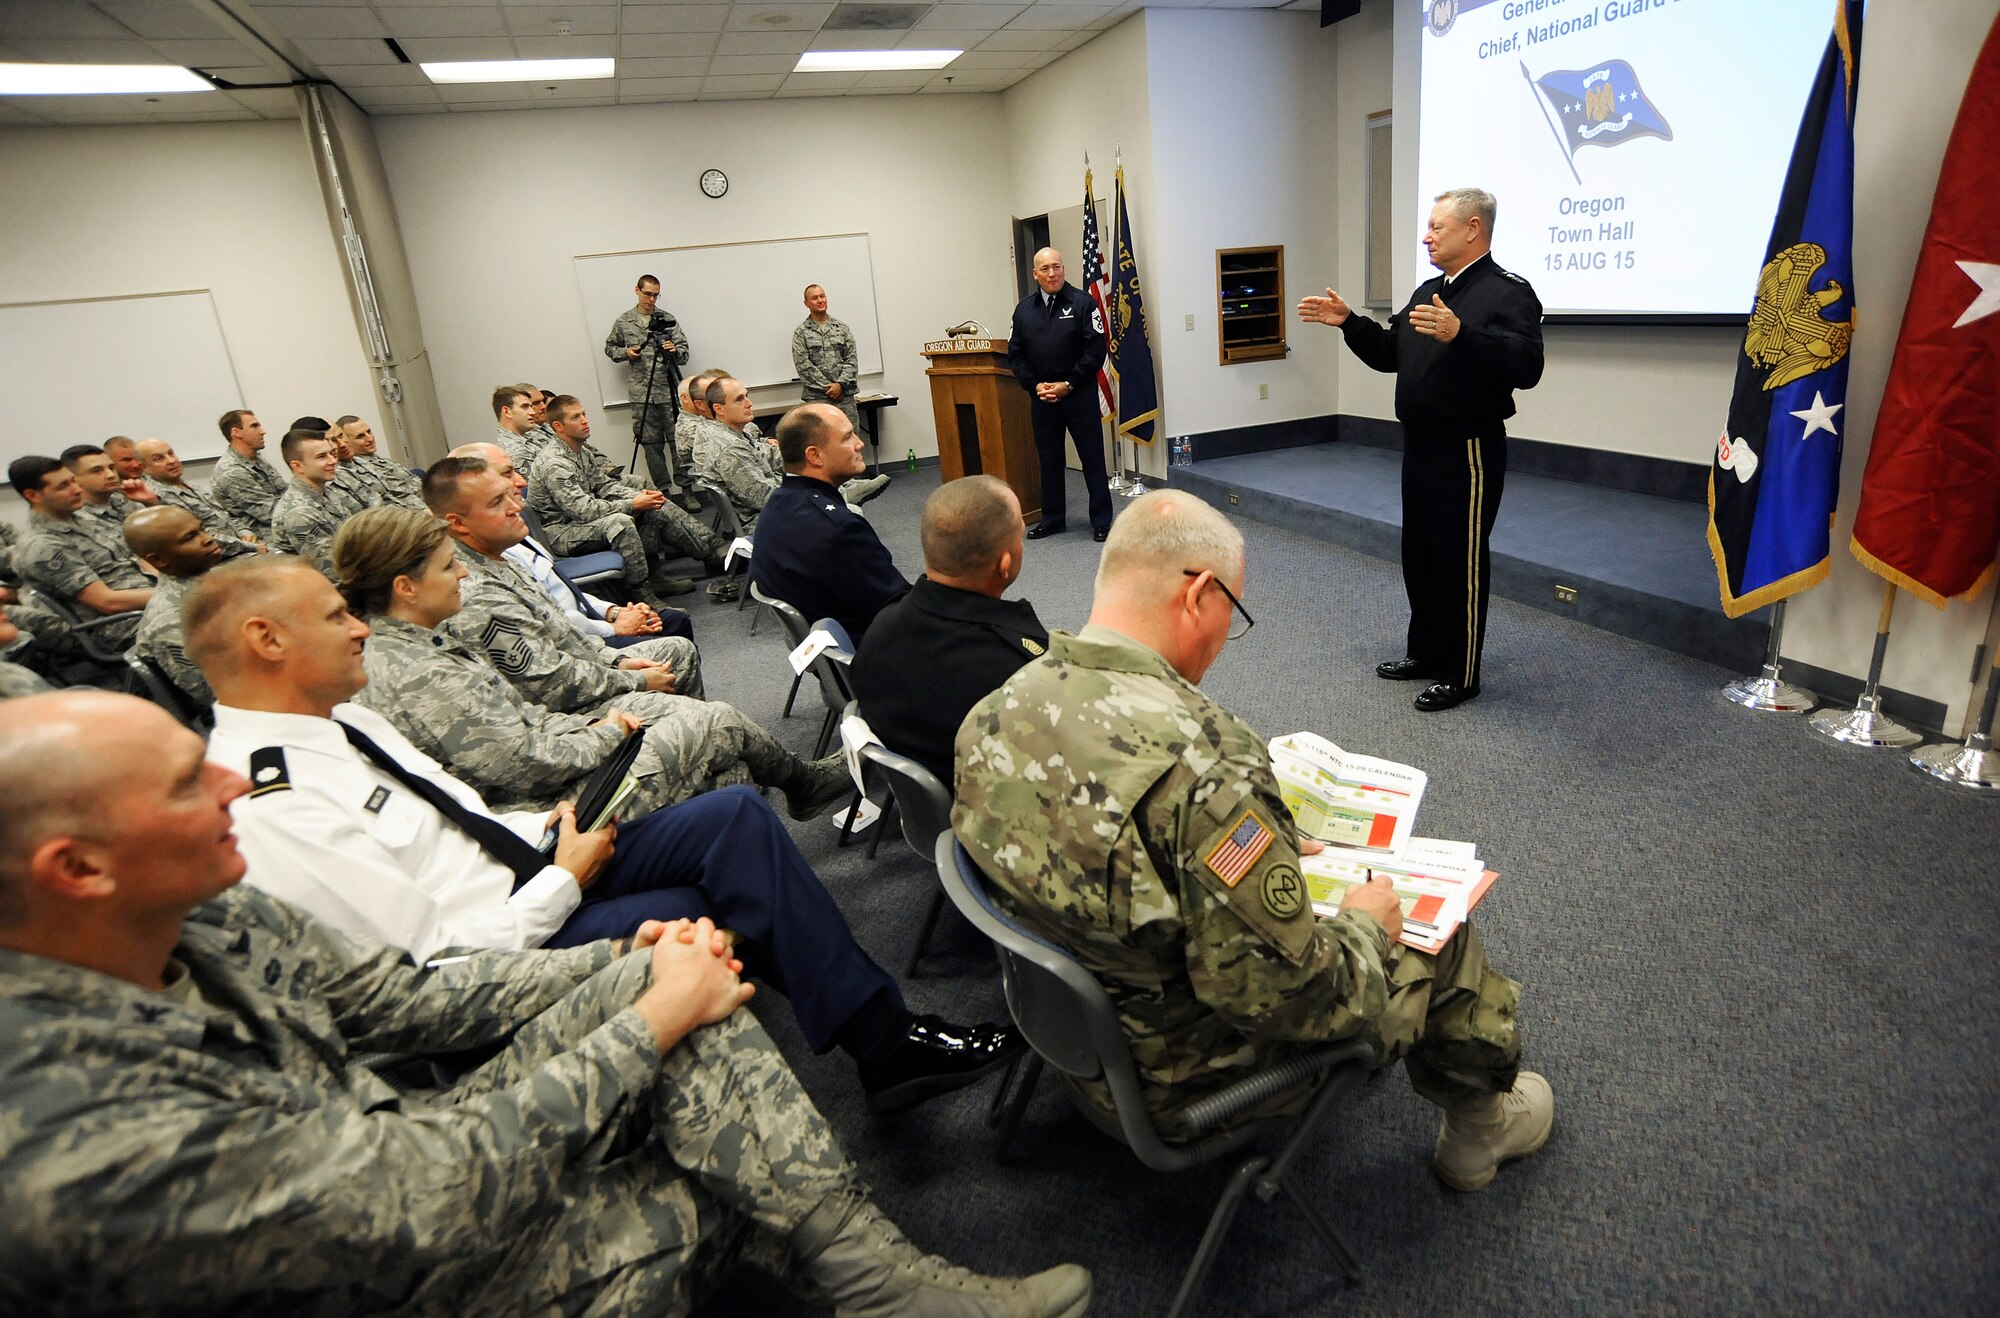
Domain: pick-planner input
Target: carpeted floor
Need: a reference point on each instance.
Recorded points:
(1759, 970)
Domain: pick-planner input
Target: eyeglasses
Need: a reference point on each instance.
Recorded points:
(1235, 633)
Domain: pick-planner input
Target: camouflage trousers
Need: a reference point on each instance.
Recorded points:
(677, 653)
(696, 746)
(18, 681)
(722, 1157)
(848, 407)
(651, 422)
(640, 539)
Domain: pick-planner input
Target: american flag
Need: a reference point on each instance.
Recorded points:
(1099, 283)
(1235, 854)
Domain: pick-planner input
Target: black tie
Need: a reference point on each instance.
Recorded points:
(1049, 305)
(493, 837)
(582, 606)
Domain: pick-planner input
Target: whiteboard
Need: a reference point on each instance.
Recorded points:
(150, 365)
(738, 303)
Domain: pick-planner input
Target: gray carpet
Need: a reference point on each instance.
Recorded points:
(1758, 969)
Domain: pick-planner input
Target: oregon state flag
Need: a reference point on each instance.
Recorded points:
(1775, 472)
(1131, 354)
(1929, 517)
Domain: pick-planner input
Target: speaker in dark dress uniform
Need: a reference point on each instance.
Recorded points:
(1054, 349)
(1461, 347)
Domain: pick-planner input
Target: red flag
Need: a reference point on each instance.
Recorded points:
(1929, 518)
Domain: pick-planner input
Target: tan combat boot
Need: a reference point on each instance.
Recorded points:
(871, 1271)
(1477, 1138)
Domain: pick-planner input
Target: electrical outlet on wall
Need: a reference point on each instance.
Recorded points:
(1263, 391)
(1188, 321)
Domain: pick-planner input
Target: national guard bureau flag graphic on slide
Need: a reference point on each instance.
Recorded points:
(1776, 467)
(1929, 517)
(1094, 283)
(1131, 355)
(1602, 105)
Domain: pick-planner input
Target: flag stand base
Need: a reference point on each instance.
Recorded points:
(1136, 488)
(1973, 767)
(1865, 725)
(1118, 484)
(1770, 693)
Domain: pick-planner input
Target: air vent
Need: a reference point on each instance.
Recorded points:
(396, 50)
(874, 18)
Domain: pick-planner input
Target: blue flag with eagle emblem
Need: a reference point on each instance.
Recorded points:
(1131, 354)
(1775, 473)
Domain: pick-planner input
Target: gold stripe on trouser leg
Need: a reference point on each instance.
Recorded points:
(1476, 484)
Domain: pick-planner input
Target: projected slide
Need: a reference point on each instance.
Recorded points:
(1636, 147)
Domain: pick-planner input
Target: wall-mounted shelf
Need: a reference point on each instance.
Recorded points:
(1250, 303)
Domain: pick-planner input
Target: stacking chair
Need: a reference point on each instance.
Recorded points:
(829, 668)
(1070, 1022)
(151, 681)
(603, 565)
(924, 806)
(795, 627)
(102, 664)
(722, 519)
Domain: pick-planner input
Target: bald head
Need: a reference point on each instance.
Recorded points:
(172, 540)
(1158, 538)
(56, 773)
(216, 614)
(968, 524)
(1048, 268)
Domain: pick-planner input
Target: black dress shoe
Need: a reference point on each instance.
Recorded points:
(1040, 529)
(1443, 695)
(936, 1057)
(1098, 533)
(1401, 670)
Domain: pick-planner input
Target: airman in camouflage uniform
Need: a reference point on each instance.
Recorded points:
(650, 384)
(1124, 815)
(160, 639)
(824, 354)
(746, 470)
(584, 505)
(454, 707)
(305, 520)
(398, 484)
(509, 618)
(228, 532)
(247, 488)
(60, 558)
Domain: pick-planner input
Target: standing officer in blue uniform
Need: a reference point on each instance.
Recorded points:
(1054, 349)
(811, 549)
(1467, 340)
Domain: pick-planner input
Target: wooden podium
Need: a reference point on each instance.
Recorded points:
(982, 418)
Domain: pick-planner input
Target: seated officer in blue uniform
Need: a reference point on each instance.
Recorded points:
(348, 820)
(812, 550)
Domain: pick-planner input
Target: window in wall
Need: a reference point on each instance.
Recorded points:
(1381, 189)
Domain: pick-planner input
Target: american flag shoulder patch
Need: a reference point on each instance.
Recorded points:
(1244, 845)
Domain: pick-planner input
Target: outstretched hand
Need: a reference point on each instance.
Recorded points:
(1329, 310)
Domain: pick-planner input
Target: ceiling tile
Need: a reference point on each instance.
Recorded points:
(662, 45)
(67, 20)
(763, 16)
(268, 101)
(1012, 39)
(856, 40)
(375, 75)
(605, 47)
(238, 73)
(995, 59)
(819, 84)
(976, 79)
(536, 20)
(324, 53)
(1069, 18)
(426, 50)
(689, 66)
(157, 18)
(328, 21)
(898, 81)
(970, 16)
(763, 43)
(752, 64)
(658, 87)
(206, 54)
(742, 82)
(82, 50)
(942, 39)
(673, 18)
(476, 106)
(533, 93)
(404, 22)
(371, 97)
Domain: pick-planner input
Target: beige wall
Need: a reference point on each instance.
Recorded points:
(495, 206)
(106, 212)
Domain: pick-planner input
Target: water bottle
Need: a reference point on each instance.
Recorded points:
(913, 461)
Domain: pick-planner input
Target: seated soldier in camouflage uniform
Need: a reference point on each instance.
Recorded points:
(399, 572)
(71, 560)
(16, 679)
(515, 430)
(392, 482)
(584, 506)
(191, 1128)
(242, 482)
(508, 616)
(1178, 885)
(180, 549)
(108, 498)
(167, 478)
(312, 508)
(746, 467)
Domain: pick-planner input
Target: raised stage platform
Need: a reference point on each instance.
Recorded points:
(1638, 563)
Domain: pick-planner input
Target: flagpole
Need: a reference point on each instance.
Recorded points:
(1975, 766)
(1768, 691)
(1136, 486)
(1562, 142)
(1866, 725)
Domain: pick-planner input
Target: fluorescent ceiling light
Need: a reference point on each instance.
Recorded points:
(100, 79)
(519, 70)
(873, 61)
